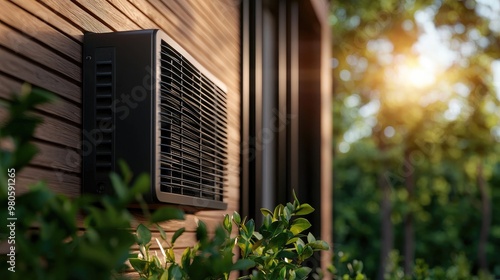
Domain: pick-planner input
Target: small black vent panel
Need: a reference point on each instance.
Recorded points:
(193, 129)
(148, 102)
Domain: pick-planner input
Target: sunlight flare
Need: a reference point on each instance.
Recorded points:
(417, 73)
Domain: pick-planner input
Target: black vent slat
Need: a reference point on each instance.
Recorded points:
(104, 113)
(193, 129)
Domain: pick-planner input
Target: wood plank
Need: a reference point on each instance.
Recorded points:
(230, 8)
(60, 159)
(208, 23)
(100, 9)
(22, 45)
(67, 184)
(134, 14)
(77, 16)
(41, 31)
(36, 75)
(48, 16)
(56, 131)
(60, 107)
(202, 24)
(182, 34)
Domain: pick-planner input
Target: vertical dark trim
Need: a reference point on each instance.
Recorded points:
(256, 101)
(283, 184)
(251, 107)
(245, 110)
(268, 136)
(293, 95)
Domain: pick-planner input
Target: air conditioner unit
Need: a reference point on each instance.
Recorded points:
(148, 102)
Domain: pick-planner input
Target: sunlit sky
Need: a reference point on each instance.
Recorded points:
(436, 52)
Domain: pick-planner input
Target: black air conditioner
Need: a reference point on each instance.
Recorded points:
(148, 102)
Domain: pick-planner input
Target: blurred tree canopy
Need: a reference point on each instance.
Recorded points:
(417, 131)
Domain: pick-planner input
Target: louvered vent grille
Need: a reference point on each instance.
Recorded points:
(193, 121)
(104, 115)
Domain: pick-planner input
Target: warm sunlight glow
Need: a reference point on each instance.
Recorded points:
(417, 74)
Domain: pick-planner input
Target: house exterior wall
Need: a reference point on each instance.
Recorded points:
(41, 44)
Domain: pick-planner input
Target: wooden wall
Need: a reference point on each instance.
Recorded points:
(41, 44)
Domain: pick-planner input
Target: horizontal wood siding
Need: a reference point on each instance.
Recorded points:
(41, 44)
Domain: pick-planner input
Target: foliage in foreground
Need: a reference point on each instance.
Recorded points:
(47, 242)
(460, 269)
(58, 248)
(275, 251)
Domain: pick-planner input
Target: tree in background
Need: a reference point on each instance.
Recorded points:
(416, 130)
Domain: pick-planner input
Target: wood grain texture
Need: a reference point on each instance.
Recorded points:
(42, 12)
(28, 48)
(36, 75)
(108, 13)
(39, 30)
(61, 108)
(76, 16)
(63, 183)
(41, 44)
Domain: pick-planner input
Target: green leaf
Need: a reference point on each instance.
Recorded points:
(299, 246)
(304, 209)
(296, 202)
(290, 207)
(287, 214)
(138, 264)
(201, 232)
(278, 241)
(176, 235)
(141, 185)
(175, 272)
(243, 264)
(257, 235)
(118, 186)
(357, 265)
(186, 258)
(307, 252)
(299, 225)
(164, 275)
(156, 262)
(163, 234)
(143, 234)
(277, 212)
(302, 272)
(282, 273)
(170, 255)
(228, 226)
(319, 245)
(38, 96)
(268, 220)
(250, 225)
(125, 171)
(166, 214)
(310, 238)
(266, 212)
(287, 254)
(257, 244)
(23, 155)
(236, 218)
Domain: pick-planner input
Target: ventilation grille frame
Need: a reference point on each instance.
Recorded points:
(192, 138)
(164, 113)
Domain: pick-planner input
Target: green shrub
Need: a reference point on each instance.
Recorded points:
(459, 270)
(44, 239)
(275, 251)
